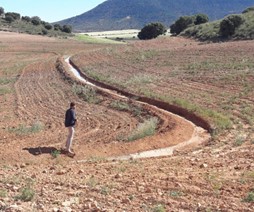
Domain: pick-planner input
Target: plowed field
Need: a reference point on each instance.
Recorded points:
(34, 94)
(41, 96)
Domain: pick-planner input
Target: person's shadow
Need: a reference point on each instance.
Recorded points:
(41, 150)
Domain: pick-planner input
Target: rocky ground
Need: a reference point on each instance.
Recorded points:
(214, 176)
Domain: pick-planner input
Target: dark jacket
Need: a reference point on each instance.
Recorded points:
(70, 118)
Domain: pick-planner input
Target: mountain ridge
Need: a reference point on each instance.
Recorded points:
(134, 14)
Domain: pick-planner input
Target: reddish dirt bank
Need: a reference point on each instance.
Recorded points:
(160, 104)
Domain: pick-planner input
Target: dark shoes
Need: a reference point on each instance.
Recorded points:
(68, 153)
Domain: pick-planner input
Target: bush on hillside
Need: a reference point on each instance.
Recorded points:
(44, 31)
(9, 19)
(248, 10)
(26, 18)
(36, 20)
(201, 19)
(58, 27)
(181, 24)
(152, 30)
(229, 24)
(1, 10)
(67, 28)
(15, 16)
(48, 26)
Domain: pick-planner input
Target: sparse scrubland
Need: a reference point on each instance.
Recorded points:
(216, 31)
(14, 22)
(213, 81)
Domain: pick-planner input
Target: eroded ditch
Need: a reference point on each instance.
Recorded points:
(201, 127)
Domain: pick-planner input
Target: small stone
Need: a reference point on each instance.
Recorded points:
(118, 176)
(23, 165)
(159, 192)
(126, 201)
(81, 171)
(58, 188)
(141, 188)
(61, 172)
(94, 204)
(14, 188)
(2, 204)
(148, 190)
(66, 209)
(204, 165)
(14, 208)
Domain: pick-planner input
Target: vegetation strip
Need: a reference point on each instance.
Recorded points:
(199, 121)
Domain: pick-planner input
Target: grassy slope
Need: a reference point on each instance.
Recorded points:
(29, 28)
(90, 39)
(210, 31)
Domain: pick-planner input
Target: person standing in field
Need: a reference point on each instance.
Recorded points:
(70, 122)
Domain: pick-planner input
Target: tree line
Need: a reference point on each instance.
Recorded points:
(10, 17)
(228, 25)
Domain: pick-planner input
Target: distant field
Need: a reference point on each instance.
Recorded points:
(116, 33)
(130, 34)
(93, 39)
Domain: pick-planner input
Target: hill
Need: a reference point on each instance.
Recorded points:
(134, 14)
(14, 22)
(211, 30)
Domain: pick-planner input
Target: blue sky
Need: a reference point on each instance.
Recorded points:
(49, 10)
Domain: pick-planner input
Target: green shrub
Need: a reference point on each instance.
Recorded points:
(27, 194)
(48, 26)
(3, 193)
(250, 9)
(1, 10)
(159, 208)
(229, 25)
(44, 31)
(249, 197)
(152, 30)
(58, 27)
(9, 19)
(26, 18)
(15, 16)
(119, 105)
(181, 24)
(55, 153)
(87, 93)
(144, 129)
(201, 19)
(36, 20)
(67, 28)
(24, 130)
